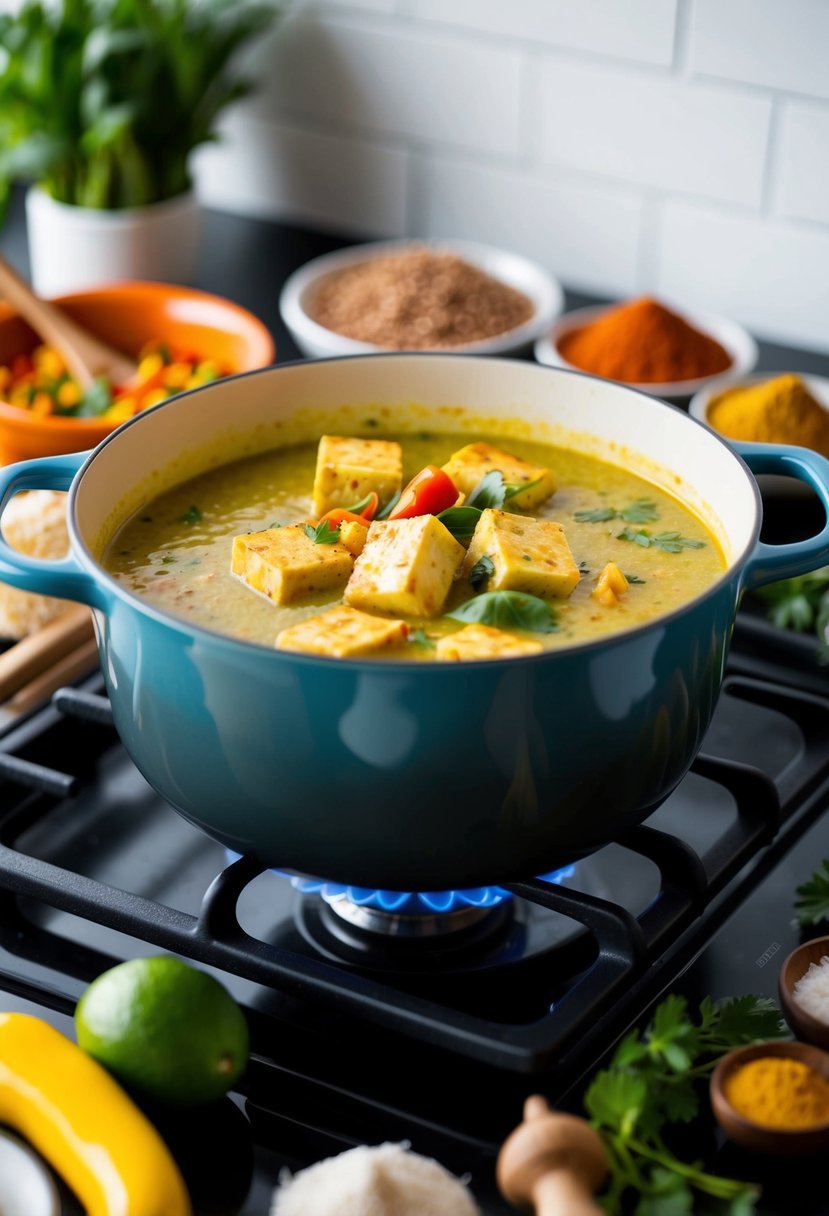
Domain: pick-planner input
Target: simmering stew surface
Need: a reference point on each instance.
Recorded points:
(629, 552)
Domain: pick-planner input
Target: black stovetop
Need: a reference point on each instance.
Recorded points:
(440, 1048)
(95, 868)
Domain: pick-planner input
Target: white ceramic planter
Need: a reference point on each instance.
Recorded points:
(76, 247)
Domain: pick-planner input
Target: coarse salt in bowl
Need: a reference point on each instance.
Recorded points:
(319, 342)
(804, 991)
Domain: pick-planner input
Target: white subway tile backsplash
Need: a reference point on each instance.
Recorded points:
(636, 29)
(773, 277)
(629, 145)
(658, 133)
(422, 86)
(586, 236)
(279, 171)
(803, 182)
(782, 44)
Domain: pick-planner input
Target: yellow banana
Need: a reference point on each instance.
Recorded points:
(83, 1123)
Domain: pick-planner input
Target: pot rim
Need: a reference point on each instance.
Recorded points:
(225, 641)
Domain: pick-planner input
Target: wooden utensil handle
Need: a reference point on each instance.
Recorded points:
(71, 667)
(84, 355)
(38, 652)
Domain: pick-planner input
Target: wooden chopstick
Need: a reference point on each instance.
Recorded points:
(27, 659)
(77, 663)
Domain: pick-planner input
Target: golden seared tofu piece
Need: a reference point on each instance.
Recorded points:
(407, 566)
(483, 642)
(611, 585)
(348, 469)
(467, 466)
(529, 555)
(344, 633)
(286, 565)
(353, 536)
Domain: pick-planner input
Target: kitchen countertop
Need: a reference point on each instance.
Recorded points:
(248, 260)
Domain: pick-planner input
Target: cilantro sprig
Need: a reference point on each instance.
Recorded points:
(668, 542)
(800, 604)
(811, 903)
(653, 1081)
(640, 511)
(322, 533)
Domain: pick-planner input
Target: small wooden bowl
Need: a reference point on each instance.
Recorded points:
(756, 1136)
(805, 1025)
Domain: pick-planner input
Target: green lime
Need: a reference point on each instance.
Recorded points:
(164, 1028)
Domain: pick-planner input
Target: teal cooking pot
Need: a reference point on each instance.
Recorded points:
(399, 775)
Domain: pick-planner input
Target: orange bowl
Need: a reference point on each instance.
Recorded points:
(127, 316)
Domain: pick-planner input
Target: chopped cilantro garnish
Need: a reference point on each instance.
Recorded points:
(323, 533)
(669, 542)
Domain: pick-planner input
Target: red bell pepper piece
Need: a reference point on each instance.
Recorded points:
(428, 493)
(340, 515)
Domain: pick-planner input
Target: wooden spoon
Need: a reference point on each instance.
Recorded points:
(86, 357)
(552, 1163)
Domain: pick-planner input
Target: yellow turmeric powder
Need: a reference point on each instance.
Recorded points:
(777, 1091)
(781, 410)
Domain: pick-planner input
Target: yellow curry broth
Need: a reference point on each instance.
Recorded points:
(175, 553)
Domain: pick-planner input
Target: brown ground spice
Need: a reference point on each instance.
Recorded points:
(642, 342)
(418, 299)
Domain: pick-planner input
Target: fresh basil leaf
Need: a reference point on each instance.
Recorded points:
(481, 572)
(507, 610)
(386, 511)
(191, 516)
(323, 533)
(460, 521)
(489, 492)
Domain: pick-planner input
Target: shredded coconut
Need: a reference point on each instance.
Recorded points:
(812, 990)
(387, 1180)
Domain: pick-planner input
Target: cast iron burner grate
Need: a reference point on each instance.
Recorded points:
(48, 758)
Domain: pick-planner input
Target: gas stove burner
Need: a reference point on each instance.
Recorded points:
(413, 931)
(412, 914)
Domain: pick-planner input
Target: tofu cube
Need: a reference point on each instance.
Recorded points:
(483, 642)
(343, 633)
(353, 536)
(467, 466)
(529, 555)
(406, 567)
(348, 469)
(611, 585)
(286, 565)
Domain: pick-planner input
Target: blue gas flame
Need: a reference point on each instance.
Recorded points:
(407, 903)
(414, 903)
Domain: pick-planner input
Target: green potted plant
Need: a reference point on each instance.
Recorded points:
(101, 104)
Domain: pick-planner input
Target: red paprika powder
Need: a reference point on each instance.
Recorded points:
(642, 342)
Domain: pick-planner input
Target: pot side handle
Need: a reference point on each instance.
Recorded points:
(769, 563)
(63, 578)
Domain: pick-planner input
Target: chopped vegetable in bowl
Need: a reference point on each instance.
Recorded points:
(40, 383)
